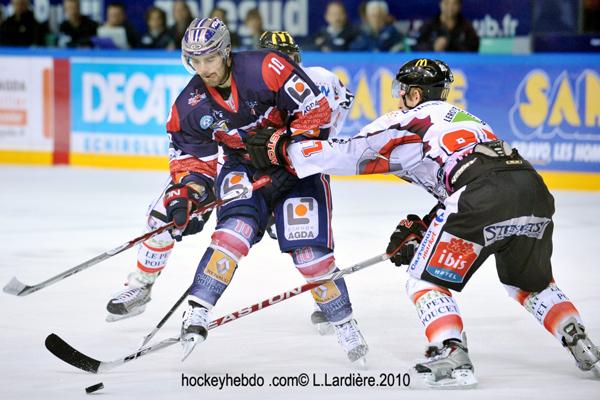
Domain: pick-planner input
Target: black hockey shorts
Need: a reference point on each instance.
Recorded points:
(507, 213)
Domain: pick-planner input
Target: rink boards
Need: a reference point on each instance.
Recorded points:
(108, 109)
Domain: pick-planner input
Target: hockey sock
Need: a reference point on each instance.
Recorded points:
(154, 253)
(437, 310)
(331, 297)
(551, 307)
(230, 242)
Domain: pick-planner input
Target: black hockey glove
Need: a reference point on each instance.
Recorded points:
(282, 181)
(406, 239)
(180, 202)
(267, 148)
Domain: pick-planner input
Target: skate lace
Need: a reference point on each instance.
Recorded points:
(128, 294)
(348, 335)
(196, 316)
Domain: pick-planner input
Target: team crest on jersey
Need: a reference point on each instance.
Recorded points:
(301, 218)
(298, 89)
(453, 258)
(252, 105)
(233, 181)
(196, 97)
(206, 121)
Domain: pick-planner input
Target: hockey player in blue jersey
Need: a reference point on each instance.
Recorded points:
(232, 96)
(155, 252)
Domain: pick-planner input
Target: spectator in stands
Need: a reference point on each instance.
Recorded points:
(76, 30)
(591, 16)
(183, 18)
(254, 25)
(221, 13)
(380, 34)
(157, 37)
(449, 31)
(338, 34)
(21, 29)
(118, 29)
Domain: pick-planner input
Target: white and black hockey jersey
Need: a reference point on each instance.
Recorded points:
(339, 97)
(421, 145)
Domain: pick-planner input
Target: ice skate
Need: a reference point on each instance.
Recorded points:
(132, 300)
(352, 341)
(321, 323)
(194, 328)
(586, 354)
(447, 367)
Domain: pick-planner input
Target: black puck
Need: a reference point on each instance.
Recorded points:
(93, 388)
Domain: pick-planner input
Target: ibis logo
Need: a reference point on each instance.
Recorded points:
(453, 258)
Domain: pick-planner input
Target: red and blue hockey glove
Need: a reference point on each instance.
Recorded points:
(406, 239)
(180, 202)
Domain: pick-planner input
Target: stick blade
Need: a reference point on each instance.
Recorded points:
(71, 356)
(16, 287)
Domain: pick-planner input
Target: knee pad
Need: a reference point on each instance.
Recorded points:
(313, 262)
(415, 288)
(234, 236)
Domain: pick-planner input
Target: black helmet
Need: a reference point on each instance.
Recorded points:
(432, 76)
(282, 41)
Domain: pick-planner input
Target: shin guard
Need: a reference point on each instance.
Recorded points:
(331, 297)
(437, 310)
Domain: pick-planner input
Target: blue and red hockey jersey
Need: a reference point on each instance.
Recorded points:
(267, 90)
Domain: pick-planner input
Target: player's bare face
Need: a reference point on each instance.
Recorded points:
(211, 68)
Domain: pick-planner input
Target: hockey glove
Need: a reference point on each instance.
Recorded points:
(282, 181)
(267, 148)
(406, 239)
(180, 201)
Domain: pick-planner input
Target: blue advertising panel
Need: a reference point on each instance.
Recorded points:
(120, 105)
(547, 106)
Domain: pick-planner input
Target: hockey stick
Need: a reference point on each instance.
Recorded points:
(164, 319)
(17, 288)
(61, 349)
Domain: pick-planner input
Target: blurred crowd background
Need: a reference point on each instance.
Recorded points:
(511, 26)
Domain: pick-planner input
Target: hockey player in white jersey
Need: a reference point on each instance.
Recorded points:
(153, 254)
(490, 201)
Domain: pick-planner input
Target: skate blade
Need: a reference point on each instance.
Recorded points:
(461, 379)
(325, 328)
(358, 355)
(361, 363)
(189, 342)
(118, 317)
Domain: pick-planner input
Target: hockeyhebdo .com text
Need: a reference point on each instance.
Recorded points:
(303, 379)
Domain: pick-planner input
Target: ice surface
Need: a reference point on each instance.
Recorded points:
(55, 218)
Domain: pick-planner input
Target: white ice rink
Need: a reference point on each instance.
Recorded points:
(55, 218)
